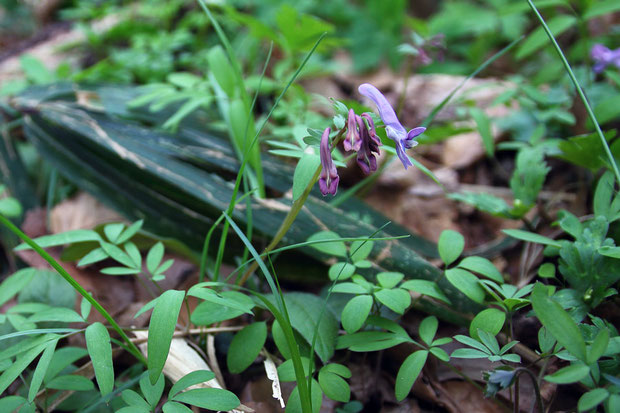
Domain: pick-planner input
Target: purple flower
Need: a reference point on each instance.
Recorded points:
(393, 128)
(352, 140)
(604, 57)
(370, 143)
(328, 180)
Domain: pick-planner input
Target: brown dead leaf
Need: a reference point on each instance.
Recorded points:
(462, 150)
(468, 398)
(83, 211)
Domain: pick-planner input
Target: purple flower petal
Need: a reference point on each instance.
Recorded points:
(328, 180)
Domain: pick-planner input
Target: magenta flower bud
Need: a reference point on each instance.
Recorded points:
(393, 127)
(603, 57)
(366, 158)
(328, 180)
(352, 139)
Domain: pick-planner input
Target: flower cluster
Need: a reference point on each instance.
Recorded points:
(361, 137)
(604, 57)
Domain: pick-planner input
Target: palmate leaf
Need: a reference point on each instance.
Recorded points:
(177, 182)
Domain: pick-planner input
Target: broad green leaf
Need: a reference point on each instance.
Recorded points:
(85, 307)
(334, 386)
(484, 128)
(558, 322)
(428, 329)
(286, 370)
(355, 313)
(117, 254)
(569, 374)
(211, 399)
(210, 312)
(190, 379)
(603, 195)
(360, 250)
(489, 341)
(130, 232)
(598, 347)
(612, 252)
(539, 38)
(335, 248)
(440, 353)
(469, 353)
(396, 299)
(472, 343)
(214, 297)
(601, 7)
(69, 237)
(482, 266)
(112, 231)
(39, 372)
(531, 237)
(13, 404)
(174, 407)
(349, 288)
(450, 246)
(152, 392)
(592, 399)
(409, 372)
(222, 71)
(134, 400)
(245, 347)
(467, 283)
(96, 255)
(63, 358)
(15, 283)
(120, 271)
(134, 253)
(71, 382)
(161, 329)
(304, 172)
(100, 352)
(154, 257)
(341, 271)
(425, 287)
(490, 320)
(10, 207)
(339, 369)
(62, 314)
(304, 312)
(293, 404)
(547, 270)
(389, 279)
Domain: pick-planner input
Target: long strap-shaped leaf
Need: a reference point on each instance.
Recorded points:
(176, 183)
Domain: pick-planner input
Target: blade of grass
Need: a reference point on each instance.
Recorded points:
(51, 261)
(284, 320)
(580, 91)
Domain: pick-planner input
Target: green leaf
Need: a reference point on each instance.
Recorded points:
(490, 320)
(10, 207)
(335, 248)
(41, 370)
(190, 379)
(334, 386)
(293, 404)
(118, 254)
(469, 353)
(15, 283)
(85, 307)
(214, 297)
(69, 237)
(286, 370)
(425, 287)
(409, 372)
(569, 374)
(396, 299)
(547, 270)
(134, 253)
(152, 392)
(558, 322)
(450, 246)
(389, 279)
(130, 232)
(558, 25)
(600, 8)
(531, 237)
(612, 252)
(161, 329)
(211, 399)
(339, 369)
(174, 407)
(482, 266)
(484, 128)
(484, 202)
(489, 341)
(13, 403)
(112, 231)
(154, 257)
(62, 314)
(134, 400)
(63, 358)
(472, 343)
(304, 172)
(304, 314)
(349, 288)
(70, 382)
(440, 353)
(120, 271)
(222, 71)
(603, 195)
(355, 313)
(96, 255)
(428, 329)
(592, 399)
(100, 352)
(341, 271)
(360, 250)
(214, 311)
(245, 347)
(598, 347)
(467, 283)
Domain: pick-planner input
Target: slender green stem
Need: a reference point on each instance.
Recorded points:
(51, 261)
(580, 91)
(290, 216)
(539, 402)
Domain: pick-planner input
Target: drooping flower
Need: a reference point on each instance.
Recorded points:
(328, 180)
(352, 140)
(603, 57)
(393, 127)
(366, 155)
